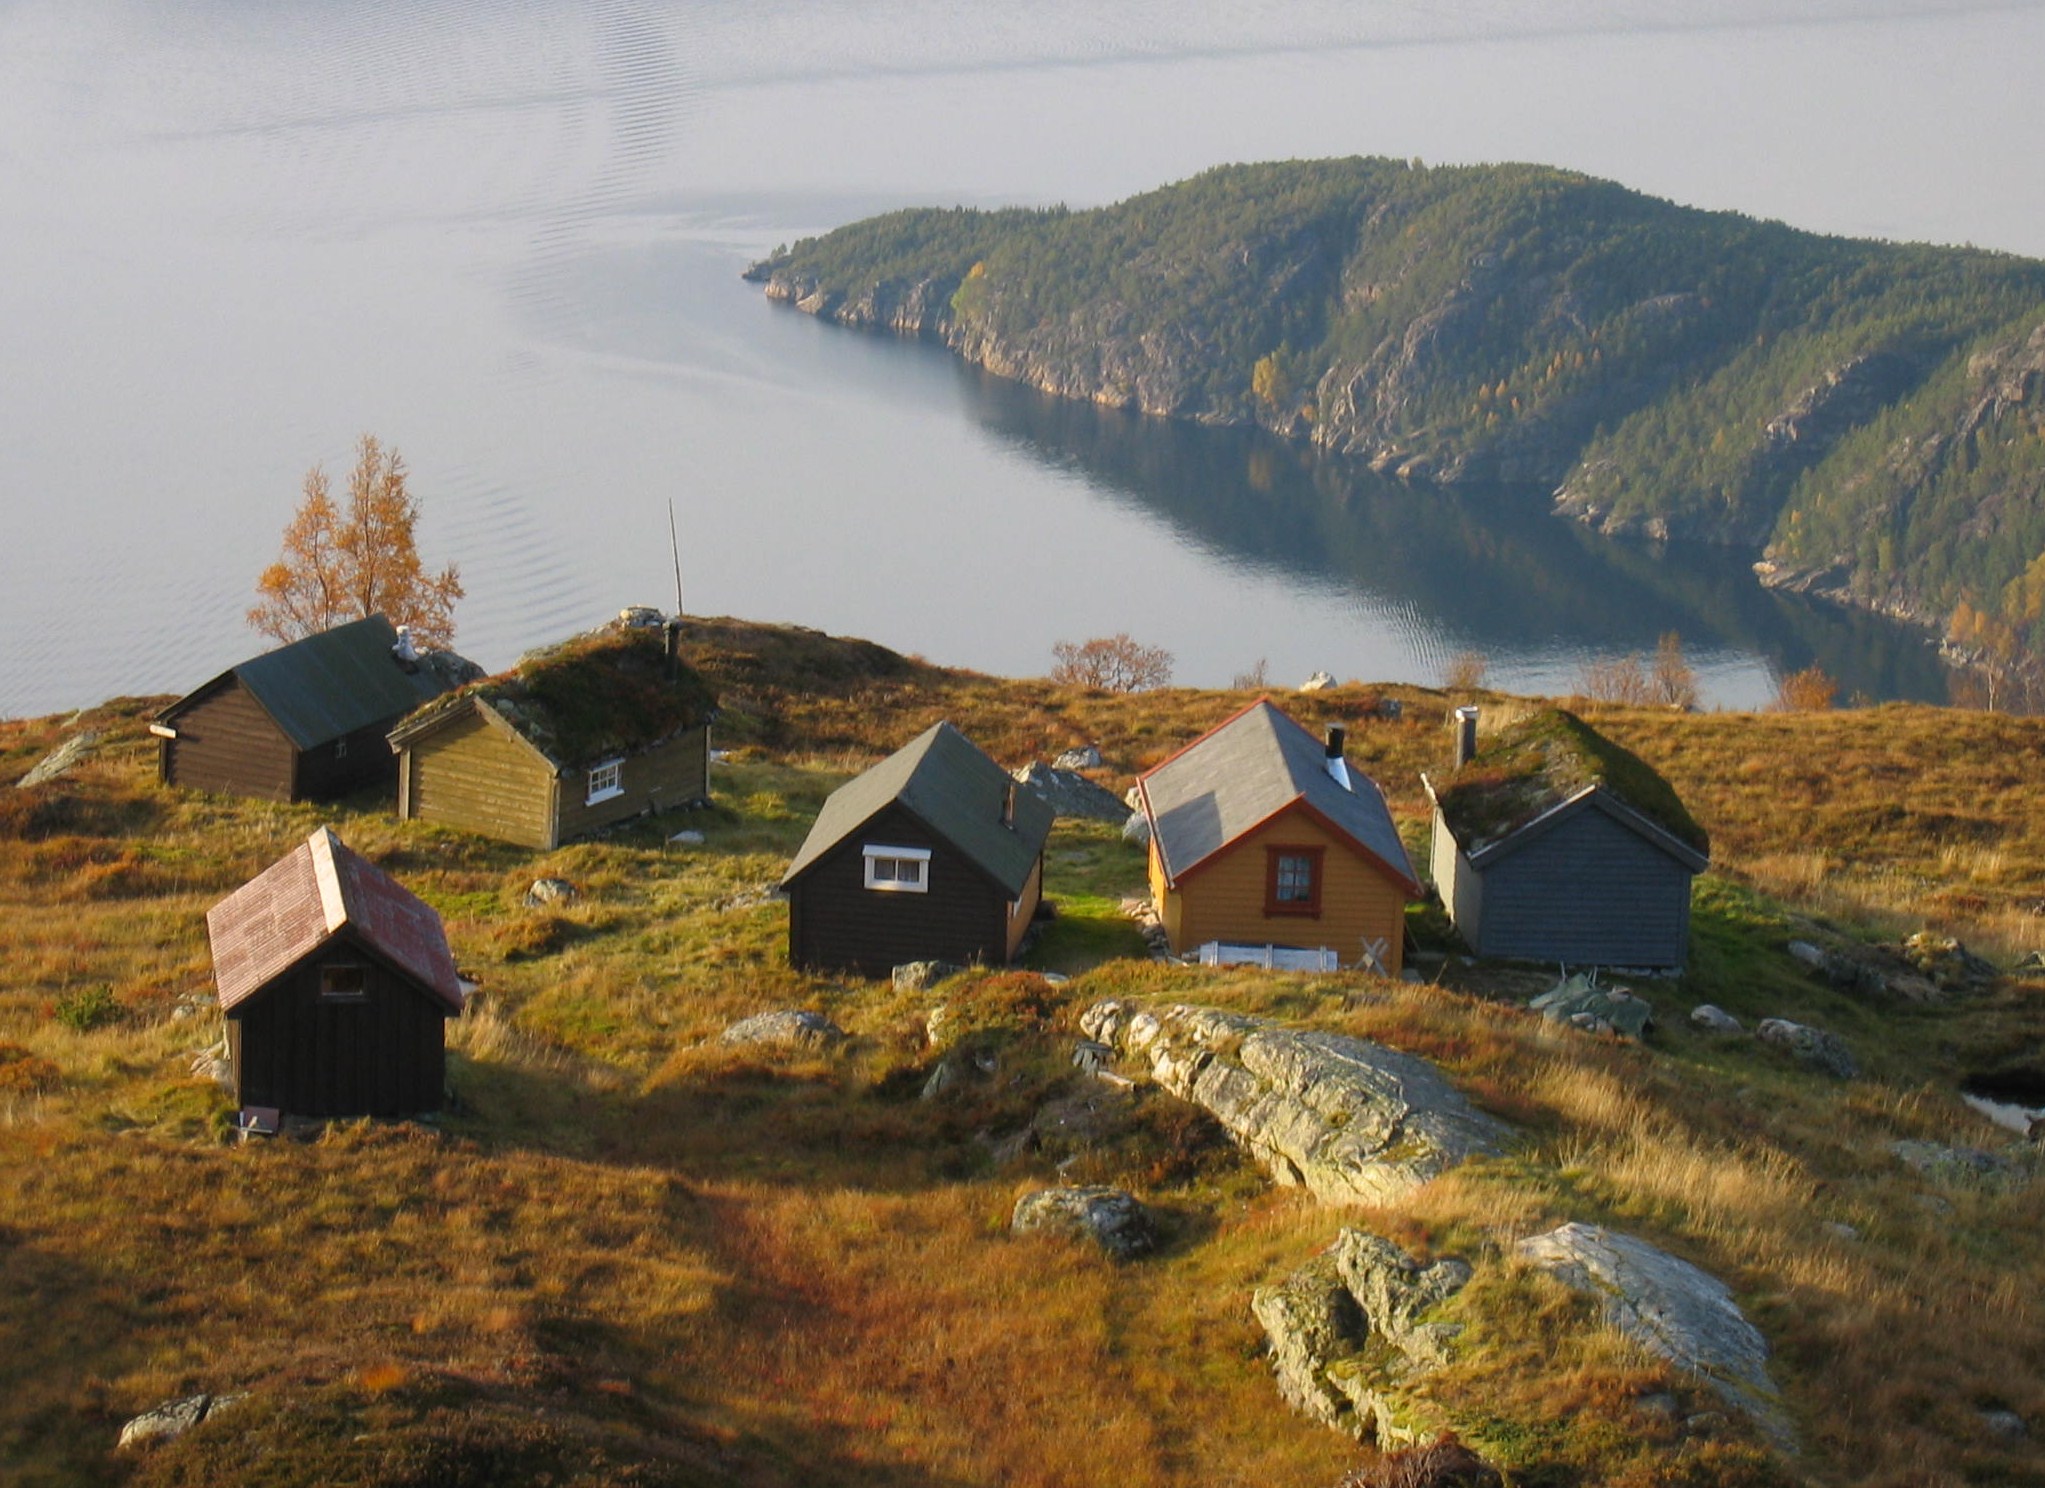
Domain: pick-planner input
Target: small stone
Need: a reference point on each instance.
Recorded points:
(2006, 1424)
(1838, 1229)
(161, 1423)
(1812, 1047)
(1091, 1057)
(1318, 682)
(549, 891)
(687, 838)
(785, 1026)
(1660, 1403)
(1085, 757)
(942, 1077)
(1109, 1217)
(1714, 1019)
(915, 976)
(1137, 829)
(938, 1027)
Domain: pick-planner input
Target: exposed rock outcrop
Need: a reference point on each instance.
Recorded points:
(1350, 1120)
(173, 1418)
(1814, 1048)
(1349, 1333)
(1108, 1217)
(1069, 793)
(1672, 1309)
(59, 761)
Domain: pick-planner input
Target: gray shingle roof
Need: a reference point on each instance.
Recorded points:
(327, 686)
(1250, 768)
(950, 785)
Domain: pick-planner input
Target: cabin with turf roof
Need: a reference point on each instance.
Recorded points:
(336, 983)
(306, 721)
(934, 854)
(1261, 835)
(1552, 843)
(575, 738)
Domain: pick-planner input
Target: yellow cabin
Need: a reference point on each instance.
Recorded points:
(1261, 836)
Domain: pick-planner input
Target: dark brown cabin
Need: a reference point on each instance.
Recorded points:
(336, 983)
(931, 855)
(572, 740)
(305, 722)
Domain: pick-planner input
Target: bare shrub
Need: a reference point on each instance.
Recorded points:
(1623, 679)
(1256, 679)
(1807, 691)
(1442, 1463)
(1115, 663)
(1672, 683)
(1615, 679)
(1465, 671)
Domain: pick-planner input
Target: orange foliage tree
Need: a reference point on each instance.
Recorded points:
(338, 566)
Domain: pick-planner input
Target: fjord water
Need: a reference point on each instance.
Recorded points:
(506, 237)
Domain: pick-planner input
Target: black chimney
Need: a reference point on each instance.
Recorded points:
(1466, 735)
(1337, 735)
(671, 642)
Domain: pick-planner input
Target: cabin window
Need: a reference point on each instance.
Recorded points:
(605, 781)
(344, 983)
(898, 870)
(1292, 880)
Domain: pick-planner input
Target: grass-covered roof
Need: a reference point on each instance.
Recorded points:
(1536, 763)
(610, 692)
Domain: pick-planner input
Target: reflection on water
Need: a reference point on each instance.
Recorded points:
(505, 238)
(1491, 568)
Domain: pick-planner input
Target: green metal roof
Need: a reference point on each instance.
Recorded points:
(327, 686)
(953, 788)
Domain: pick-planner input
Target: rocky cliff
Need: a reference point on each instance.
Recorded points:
(1651, 369)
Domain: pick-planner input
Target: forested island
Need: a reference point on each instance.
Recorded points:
(1869, 417)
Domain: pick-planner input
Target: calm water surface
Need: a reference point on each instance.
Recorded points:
(506, 238)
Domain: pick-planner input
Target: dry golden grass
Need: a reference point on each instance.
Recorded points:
(634, 1254)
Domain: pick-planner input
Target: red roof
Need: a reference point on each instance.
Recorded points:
(303, 900)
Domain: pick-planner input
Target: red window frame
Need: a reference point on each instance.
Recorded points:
(1309, 906)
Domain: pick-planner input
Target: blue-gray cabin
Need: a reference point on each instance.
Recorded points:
(1584, 879)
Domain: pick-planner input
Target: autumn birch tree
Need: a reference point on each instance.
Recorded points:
(338, 567)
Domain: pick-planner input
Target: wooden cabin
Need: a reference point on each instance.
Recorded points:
(574, 739)
(931, 855)
(1552, 843)
(336, 983)
(305, 722)
(1261, 835)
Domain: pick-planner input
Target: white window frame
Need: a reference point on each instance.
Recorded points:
(606, 781)
(875, 852)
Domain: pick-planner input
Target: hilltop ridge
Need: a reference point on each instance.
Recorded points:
(1868, 417)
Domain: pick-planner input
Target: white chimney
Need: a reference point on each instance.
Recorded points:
(1338, 768)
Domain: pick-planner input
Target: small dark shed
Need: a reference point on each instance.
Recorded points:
(1553, 843)
(575, 738)
(931, 855)
(305, 722)
(336, 983)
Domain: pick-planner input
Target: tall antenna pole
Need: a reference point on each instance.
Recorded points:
(675, 547)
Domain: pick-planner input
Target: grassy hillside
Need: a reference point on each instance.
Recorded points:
(634, 1255)
(1871, 413)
